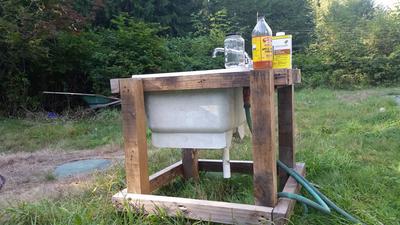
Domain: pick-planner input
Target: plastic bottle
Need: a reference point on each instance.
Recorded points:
(262, 45)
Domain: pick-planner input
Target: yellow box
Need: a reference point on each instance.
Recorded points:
(282, 47)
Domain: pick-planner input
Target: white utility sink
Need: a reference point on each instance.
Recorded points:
(202, 119)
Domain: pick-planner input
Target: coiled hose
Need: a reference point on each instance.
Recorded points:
(323, 203)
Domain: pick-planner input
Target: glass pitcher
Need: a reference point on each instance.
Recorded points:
(234, 51)
(235, 55)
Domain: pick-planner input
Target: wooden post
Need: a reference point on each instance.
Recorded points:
(286, 130)
(134, 128)
(190, 162)
(264, 159)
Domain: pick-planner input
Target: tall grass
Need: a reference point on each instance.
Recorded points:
(351, 149)
(60, 133)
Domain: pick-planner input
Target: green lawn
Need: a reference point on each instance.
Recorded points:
(350, 146)
(61, 133)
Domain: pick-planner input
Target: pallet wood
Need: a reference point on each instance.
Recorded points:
(206, 79)
(134, 131)
(219, 212)
(215, 165)
(284, 208)
(190, 161)
(286, 130)
(262, 85)
(166, 175)
(263, 138)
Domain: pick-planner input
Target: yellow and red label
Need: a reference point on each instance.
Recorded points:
(282, 46)
(262, 49)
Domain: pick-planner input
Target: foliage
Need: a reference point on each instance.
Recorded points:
(129, 47)
(27, 29)
(77, 46)
(187, 53)
(292, 16)
(355, 45)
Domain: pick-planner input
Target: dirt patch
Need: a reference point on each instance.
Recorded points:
(29, 176)
(356, 96)
(360, 95)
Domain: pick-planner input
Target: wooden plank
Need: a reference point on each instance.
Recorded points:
(214, 211)
(284, 208)
(286, 130)
(190, 163)
(283, 76)
(204, 79)
(215, 165)
(165, 175)
(134, 131)
(263, 138)
(296, 76)
(114, 84)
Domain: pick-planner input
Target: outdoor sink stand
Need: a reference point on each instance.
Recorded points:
(268, 207)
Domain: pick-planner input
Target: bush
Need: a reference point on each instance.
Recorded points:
(194, 53)
(128, 47)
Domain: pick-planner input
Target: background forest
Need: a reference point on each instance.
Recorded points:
(78, 45)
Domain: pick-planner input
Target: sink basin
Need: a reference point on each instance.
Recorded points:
(202, 119)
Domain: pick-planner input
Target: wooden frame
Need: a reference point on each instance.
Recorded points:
(222, 78)
(263, 167)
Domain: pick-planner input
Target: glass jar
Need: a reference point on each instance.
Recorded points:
(234, 51)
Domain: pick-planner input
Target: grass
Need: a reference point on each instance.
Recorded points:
(351, 149)
(35, 134)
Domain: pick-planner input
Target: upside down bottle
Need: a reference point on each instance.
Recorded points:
(262, 45)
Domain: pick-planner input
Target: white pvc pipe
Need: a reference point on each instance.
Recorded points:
(226, 166)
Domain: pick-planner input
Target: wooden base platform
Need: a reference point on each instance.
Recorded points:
(214, 211)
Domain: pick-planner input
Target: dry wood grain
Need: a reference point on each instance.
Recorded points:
(190, 158)
(214, 211)
(134, 132)
(205, 79)
(286, 130)
(215, 165)
(165, 175)
(284, 208)
(263, 138)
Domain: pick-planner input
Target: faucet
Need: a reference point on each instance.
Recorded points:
(216, 50)
(248, 60)
(248, 63)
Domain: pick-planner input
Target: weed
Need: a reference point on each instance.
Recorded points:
(50, 176)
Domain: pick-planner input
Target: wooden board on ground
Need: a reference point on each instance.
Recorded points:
(219, 212)
(284, 208)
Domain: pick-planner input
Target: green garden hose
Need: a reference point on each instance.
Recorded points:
(323, 202)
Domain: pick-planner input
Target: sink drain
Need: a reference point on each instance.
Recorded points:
(2, 181)
(81, 167)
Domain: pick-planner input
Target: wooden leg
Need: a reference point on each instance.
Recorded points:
(264, 159)
(134, 128)
(286, 130)
(190, 161)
